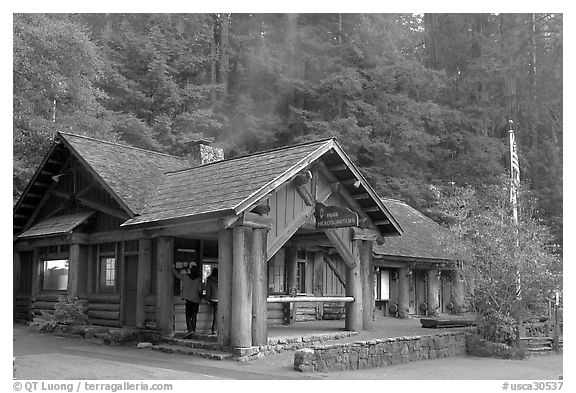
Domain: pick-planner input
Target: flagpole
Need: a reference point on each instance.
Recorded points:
(514, 183)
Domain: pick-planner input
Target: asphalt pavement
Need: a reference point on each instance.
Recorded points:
(41, 356)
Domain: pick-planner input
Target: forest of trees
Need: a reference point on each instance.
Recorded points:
(418, 101)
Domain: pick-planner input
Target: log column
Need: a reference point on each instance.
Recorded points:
(37, 268)
(224, 286)
(73, 270)
(458, 292)
(403, 292)
(433, 287)
(354, 311)
(259, 287)
(318, 281)
(164, 284)
(143, 284)
(16, 275)
(241, 321)
(291, 261)
(367, 269)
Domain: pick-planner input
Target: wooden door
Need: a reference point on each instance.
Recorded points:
(131, 278)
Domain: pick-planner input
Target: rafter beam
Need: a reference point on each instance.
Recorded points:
(341, 246)
(105, 209)
(332, 267)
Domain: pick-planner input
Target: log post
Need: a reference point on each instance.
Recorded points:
(403, 292)
(144, 280)
(458, 292)
(73, 270)
(241, 322)
(354, 311)
(164, 284)
(432, 296)
(16, 273)
(259, 288)
(367, 272)
(318, 281)
(291, 260)
(224, 286)
(37, 269)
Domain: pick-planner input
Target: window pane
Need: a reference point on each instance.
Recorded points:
(110, 272)
(55, 275)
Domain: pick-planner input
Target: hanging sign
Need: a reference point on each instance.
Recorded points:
(334, 217)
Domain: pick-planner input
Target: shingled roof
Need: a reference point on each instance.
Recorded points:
(156, 189)
(422, 237)
(131, 173)
(224, 185)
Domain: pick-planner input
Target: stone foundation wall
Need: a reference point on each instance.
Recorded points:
(379, 352)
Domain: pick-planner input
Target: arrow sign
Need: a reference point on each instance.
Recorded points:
(334, 217)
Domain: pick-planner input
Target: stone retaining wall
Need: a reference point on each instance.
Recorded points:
(278, 345)
(379, 352)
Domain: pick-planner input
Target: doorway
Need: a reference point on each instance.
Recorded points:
(131, 262)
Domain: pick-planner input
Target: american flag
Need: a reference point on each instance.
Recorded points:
(514, 167)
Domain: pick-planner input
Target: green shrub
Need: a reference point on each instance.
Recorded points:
(45, 322)
(70, 311)
(497, 327)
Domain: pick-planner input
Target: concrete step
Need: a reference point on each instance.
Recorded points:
(194, 343)
(184, 350)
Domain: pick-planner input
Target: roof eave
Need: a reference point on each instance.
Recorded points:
(369, 189)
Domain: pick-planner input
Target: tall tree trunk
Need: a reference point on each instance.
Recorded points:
(339, 98)
(431, 40)
(214, 55)
(224, 50)
(291, 34)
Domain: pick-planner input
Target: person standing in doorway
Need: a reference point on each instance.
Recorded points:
(212, 296)
(191, 293)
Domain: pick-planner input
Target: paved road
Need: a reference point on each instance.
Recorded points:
(43, 356)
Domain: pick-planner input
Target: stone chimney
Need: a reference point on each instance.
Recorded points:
(202, 152)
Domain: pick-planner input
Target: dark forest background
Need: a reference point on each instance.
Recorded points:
(418, 101)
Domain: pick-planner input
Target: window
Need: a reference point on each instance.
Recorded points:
(107, 274)
(301, 273)
(276, 274)
(55, 275)
(301, 277)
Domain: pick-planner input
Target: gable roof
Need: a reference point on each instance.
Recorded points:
(422, 237)
(155, 188)
(57, 225)
(130, 173)
(232, 186)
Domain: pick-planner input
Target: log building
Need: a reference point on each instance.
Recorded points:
(104, 222)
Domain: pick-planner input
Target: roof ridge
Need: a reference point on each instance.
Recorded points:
(251, 155)
(413, 208)
(121, 145)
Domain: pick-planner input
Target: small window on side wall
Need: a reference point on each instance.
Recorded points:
(107, 274)
(55, 276)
